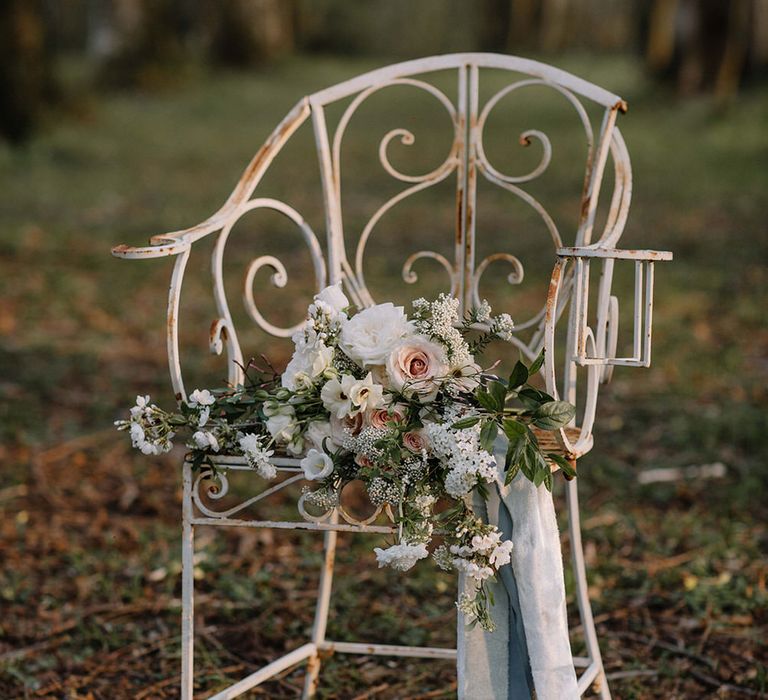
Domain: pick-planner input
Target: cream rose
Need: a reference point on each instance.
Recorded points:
(370, 336)
(414, 365)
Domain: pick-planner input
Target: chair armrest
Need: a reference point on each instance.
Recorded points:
(616, 254)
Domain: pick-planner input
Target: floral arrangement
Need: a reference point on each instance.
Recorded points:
(399, 403)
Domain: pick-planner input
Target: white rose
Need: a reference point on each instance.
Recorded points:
(281, 427)
(306, 365)
(370, 336)
(318, 431)
(316, 465)
(414, 365)
(334, 297)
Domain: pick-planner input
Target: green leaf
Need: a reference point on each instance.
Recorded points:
(511, 474)
(463, 423)
(513, 429)
(553, 415)
(539, 476)
(537, 363)
(486, 401)
(563, 463)
(499, 394)
(548, 480)
(488, 435)
(519, 375)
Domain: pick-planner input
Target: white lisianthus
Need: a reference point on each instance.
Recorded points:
(401, 556)
(282, 427)
(365, 395)
(333, 297)
(371, 335)
(466, 377)
(318, 431)
(204, 439)
(335, 395)
(316, 465)
(414, 366)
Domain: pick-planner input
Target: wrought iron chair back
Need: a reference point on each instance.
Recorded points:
(591, 334)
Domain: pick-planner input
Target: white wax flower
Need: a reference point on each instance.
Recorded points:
(142, 403)
(204, 439)
(401, 556)
(257, 455)
(370, 336)
(306, 365)
(316, 465)
(502, 554)
(201, 398)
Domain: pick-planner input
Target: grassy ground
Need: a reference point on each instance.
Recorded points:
(89, 590)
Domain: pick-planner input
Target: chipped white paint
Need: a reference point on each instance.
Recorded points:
(590, 342)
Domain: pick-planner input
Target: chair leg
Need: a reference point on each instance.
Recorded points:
(321, 612)
(582, 594)
(187, 588)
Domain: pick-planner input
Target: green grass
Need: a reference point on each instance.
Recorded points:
(89, 588)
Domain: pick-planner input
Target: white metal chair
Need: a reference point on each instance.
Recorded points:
(591, 329)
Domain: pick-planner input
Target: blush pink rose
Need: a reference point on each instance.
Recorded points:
(415, 365)
(379, 417)
(363, 461)
(414, 441)
(341, 428)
